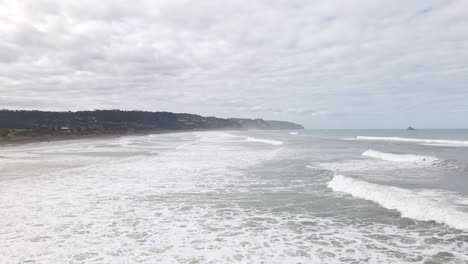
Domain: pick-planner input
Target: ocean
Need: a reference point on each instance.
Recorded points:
(312, 196)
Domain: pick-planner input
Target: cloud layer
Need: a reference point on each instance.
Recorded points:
(322, 63)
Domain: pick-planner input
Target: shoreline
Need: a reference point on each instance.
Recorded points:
(52, 138)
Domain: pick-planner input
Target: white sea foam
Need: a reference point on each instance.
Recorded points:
(425, 205)
(194, 204)
(410, 158)
(146, 207)
(421, 141)
(294, 133)
(382, 161)
(266, 141)
(365, 165)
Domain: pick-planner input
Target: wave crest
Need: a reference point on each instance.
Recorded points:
(266, 141)
(426, 205)
(410, 158)
(422, 141)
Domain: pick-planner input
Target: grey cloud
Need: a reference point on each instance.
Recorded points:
(296, 60)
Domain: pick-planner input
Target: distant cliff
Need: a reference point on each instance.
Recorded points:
(36, 123)
(260, 124)
(110, 120)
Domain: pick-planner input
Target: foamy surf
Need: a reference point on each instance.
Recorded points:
(203, 197)
(421, 141)
(266, 141)
(425, 205)
(408, 158)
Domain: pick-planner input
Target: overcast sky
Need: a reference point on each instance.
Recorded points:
(325, 64)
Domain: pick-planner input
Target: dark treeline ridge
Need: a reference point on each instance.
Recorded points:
(31, 123)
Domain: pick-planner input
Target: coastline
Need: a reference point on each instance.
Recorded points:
(52, 138)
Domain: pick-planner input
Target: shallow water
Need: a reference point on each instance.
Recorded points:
(240, 197)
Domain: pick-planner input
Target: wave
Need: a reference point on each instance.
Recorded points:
(410, 158)
(294, 133)
(187, 144)
(426, 205)
(266, 141)
(430, 142)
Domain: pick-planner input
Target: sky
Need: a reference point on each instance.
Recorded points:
(321, 63)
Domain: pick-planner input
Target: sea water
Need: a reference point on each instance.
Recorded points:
(317, 196)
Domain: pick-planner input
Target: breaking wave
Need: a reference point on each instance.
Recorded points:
(424, 205)
(411, 158)
(422, 141)
(266, 141)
